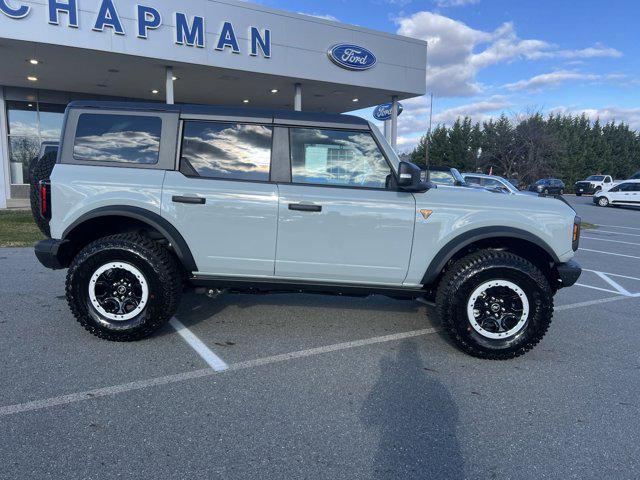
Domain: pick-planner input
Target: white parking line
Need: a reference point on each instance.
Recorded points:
(612, 274)
(215, 362)
(618, 226)
(207, 372)
(596, 288)
(614, 284)
(616, 233)
(608, 240)
(608, 253)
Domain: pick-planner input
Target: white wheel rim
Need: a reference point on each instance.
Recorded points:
(478, 318)
(603, 202)
(98, 301)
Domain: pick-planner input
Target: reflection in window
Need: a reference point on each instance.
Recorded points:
(21, 151)
(337, 157)
(228, 150)
(118, 138)
(23, 118)
(442, 178)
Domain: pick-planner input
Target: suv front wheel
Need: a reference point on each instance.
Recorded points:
(123, 287)
(495, 304)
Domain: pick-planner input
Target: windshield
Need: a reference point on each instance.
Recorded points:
(541, 182)
(596, 178)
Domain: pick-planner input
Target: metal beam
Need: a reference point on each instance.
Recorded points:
(169, 86)
(394, 122)
(297, 99)
(5, 187)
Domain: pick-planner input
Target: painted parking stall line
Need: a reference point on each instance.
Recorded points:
(609, 253)
(606, 277)
(608, 240)
(214, 361)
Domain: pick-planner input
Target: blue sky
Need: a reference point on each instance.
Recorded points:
(512, 56)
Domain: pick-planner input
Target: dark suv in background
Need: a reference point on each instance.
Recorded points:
(552, 186)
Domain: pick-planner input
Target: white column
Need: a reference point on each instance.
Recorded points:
(387, 130)
(169, 86)
(4, 154)
(394, 122)
(297, 99)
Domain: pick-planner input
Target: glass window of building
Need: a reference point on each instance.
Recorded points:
(29, 124)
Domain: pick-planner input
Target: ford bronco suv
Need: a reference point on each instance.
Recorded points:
(146, 200)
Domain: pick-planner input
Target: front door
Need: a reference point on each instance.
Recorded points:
(221, 200)
(338, 221)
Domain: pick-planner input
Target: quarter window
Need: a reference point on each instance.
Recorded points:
(227, 150)
(118, 139)
(337, 157)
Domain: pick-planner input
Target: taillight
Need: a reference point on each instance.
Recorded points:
(45, 199)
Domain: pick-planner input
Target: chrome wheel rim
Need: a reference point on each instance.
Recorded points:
(118, 291)
(498, 309)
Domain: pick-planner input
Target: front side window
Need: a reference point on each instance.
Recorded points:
(118, 139)
(473, 180)
(228, 150)
(442, 178)
(337, 157)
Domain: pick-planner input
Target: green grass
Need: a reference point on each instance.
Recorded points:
(17, 229)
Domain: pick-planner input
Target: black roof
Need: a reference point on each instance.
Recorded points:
(187, 109)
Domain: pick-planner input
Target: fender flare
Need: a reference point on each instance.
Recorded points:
(145, 216)
(467, 238)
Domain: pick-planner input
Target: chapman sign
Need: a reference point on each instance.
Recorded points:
(188, 30)
(352, 57)
(383, 112)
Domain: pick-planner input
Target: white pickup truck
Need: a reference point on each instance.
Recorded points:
(594, 184)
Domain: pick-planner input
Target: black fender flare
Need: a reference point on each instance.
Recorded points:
(152, 219)
(467, 238)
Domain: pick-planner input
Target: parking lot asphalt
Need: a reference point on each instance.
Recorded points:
(324, 387)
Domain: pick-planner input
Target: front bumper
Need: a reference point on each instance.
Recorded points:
(53, 254)
(585, 189)
(568, 273)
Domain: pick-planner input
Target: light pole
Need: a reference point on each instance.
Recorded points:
(428, 139)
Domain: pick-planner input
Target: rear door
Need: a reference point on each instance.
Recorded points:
(338, 219)
(222, 199)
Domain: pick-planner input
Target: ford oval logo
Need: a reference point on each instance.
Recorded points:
(383, 112)
(352, 57)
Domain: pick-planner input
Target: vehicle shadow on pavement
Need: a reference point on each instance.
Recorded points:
(416, 418)
(199, 308)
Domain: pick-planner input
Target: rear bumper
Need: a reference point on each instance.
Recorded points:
(53, 253)
(568, 273)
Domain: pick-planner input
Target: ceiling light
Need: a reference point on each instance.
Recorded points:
(155, 92)
(175, 78)
(355, 100)
(274, 90)
(245, 101)
(30, 105)
(34, 61)
(32, 79)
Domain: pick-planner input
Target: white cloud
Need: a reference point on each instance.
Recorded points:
(455, 3)
(457, 52)
(559, 77)
(323, 16)
(630, 116)
(477, 111)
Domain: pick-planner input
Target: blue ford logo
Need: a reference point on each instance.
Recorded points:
(352, 57)
(383, 112)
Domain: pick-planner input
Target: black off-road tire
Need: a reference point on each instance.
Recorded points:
(40, 169)
(467, 274)
(161, 271)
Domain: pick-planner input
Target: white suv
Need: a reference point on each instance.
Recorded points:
(148, 199)
(626, 193)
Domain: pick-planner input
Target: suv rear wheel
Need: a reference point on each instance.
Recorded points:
(495, 304)
(124, 287)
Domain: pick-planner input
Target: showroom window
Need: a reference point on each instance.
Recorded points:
(30, 124)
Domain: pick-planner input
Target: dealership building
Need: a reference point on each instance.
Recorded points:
(220, 52)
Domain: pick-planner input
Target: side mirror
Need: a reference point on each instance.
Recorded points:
(411, 178)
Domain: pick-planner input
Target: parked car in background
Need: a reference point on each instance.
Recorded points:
(517, 183)
(635, 176)
(491, 182)
(626, 193)
(547, 186)
(593, 184)
(446, 176)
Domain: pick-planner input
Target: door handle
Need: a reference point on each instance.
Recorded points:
(305, 207)
(189, 200)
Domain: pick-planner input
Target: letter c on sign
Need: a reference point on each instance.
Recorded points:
(20, 12)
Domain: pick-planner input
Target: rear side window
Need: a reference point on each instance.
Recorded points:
(131, 139)
(230, 151)
(337, 157)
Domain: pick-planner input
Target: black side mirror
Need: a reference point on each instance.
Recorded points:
(412, 179)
